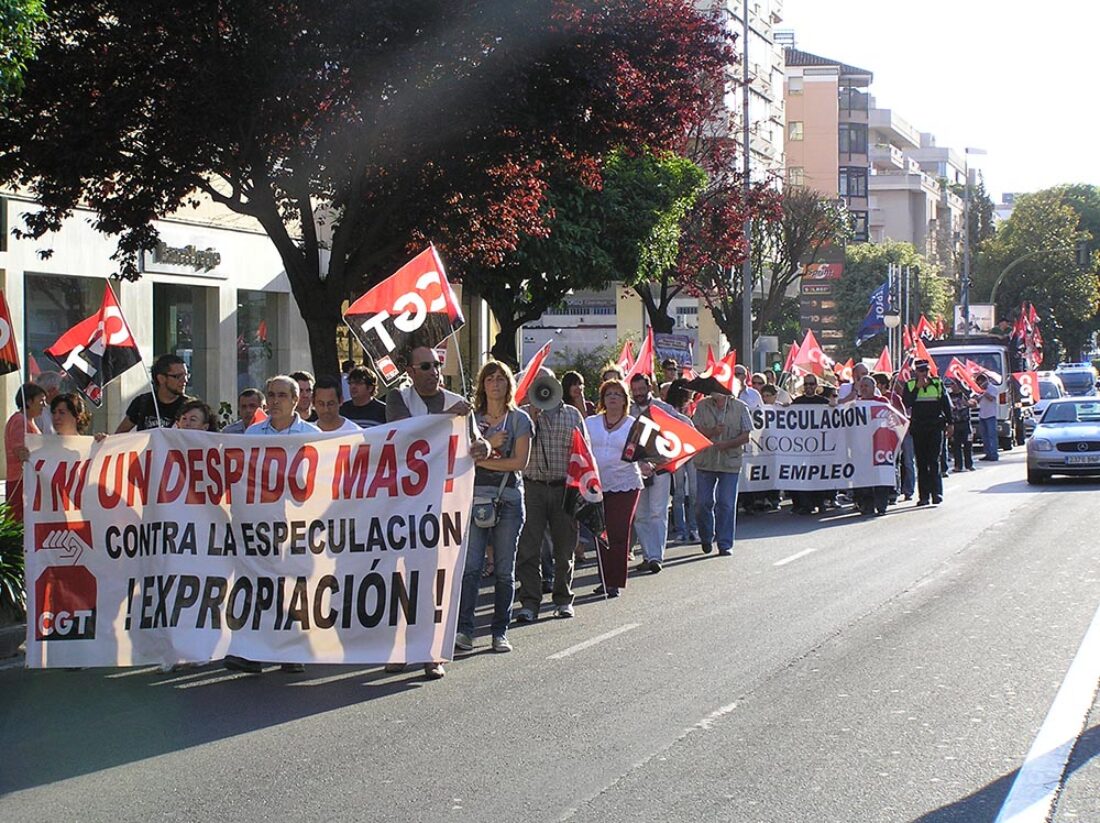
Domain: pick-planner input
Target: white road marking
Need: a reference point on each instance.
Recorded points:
(593, 641)
(793, 557)
(1040, 777)
(132, 672)
(320, 681)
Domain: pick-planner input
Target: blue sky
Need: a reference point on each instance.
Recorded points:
(1016, 79)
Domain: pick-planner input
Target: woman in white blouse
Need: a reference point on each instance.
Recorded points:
(621, 481)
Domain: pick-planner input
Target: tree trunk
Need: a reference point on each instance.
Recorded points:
(321, 324)
(659, 319)
(504, 347)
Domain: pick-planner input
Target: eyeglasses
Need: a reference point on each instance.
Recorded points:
(429, 366)
(178, 376)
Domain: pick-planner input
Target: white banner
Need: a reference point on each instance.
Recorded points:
(171, 546)
(810, 447)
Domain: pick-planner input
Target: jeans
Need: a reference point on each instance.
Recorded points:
(685, 491)
(716, 509)
(504, 537)
(908, 466)
(988, 427)
(651, 517)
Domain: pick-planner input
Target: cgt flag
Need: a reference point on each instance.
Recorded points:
(9, 353)
(662, 439)
(1028, 382)
(97, 350)
(531, 372)
(583, 498)
(413, 307)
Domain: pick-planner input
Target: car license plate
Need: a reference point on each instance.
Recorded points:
(1082, 459)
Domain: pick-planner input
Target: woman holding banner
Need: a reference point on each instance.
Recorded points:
(69, 415)
(621, 482)
(28, 401)
(498, 503)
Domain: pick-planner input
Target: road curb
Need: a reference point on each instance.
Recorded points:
(11, 640)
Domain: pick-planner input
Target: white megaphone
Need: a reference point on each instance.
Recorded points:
(545, 392)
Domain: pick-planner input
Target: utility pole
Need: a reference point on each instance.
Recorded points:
(746, 266)
(966, 243)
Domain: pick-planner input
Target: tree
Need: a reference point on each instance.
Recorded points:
(865, 268)
(616, 229)
(1033, 258)
(389, 123)
(19, 20)
(981, 226)
(808, 224)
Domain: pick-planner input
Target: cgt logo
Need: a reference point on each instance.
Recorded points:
(65, 604)
(69, 540)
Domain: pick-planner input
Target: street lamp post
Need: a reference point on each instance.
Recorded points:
(746, 266)
(966, 241)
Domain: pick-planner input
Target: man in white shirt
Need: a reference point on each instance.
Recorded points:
(326, 402)
(749, 395)
(249, 402)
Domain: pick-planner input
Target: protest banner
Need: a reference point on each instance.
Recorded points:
(810, 448)
(172, 545)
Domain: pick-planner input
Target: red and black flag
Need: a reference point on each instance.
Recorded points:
(97, 350)
(662, 439)
(414, 307)
(583, 491)
(9, 353)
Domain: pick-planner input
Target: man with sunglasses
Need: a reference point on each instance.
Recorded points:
(170, 383)
(426, 395)
(929, 418)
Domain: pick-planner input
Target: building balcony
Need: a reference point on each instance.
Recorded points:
(886, 157)
(895, 128)
(891, 180)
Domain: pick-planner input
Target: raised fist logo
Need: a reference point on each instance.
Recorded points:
(69, 540)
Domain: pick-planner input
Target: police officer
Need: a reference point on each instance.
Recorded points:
(929, 417)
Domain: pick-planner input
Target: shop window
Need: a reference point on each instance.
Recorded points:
(257, 324)
(180, 328)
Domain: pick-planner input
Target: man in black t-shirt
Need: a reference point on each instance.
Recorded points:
(364, 408)
(169, 382)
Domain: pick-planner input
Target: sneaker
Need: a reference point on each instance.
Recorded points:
(293, 668)
(464, 642)
(725, 552)
(434, 671)
(395, 668)
(565, 611)
(936, 499)
(643, 566)
(239, 664)
(707, 548)
(612, 592)
(501, 644)
(525, 616)
(922, 502)
(655, 566)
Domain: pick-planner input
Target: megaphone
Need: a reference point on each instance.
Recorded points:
(545, 392)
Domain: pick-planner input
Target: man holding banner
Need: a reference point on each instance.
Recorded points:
(726, 421)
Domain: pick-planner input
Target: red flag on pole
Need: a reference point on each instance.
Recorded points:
(97, 350)
(1029, 385)
(626, 357)
(9, 353)
(922, 354)
(413, 307)
(583, 490)
(906, 339)
(531, 371)
(977, 368)
(843, 371)
(957, 370)
(711, 359)
(644, 363)
(792, 355)
(924, 330)
(883, 364)
(811, 357)
(662, 439)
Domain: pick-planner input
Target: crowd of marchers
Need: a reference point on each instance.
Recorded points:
(522, 537)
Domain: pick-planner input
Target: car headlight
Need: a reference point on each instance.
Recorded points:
(1041, 444)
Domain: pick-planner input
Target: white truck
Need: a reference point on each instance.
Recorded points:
(996, 355)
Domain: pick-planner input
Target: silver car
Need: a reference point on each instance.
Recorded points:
(1066, 441)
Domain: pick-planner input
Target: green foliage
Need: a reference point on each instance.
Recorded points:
(865, 269)
(982, 226)
(13, 595)
(1033, 256)
(19, 20)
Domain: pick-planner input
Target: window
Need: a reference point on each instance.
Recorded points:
(796, 176)
(853, 181)
(853, 100)
(257, 324)
(179, 328)
(794, 130)
(859, 226)
(53, 305)
(794, 85)
(853, 138)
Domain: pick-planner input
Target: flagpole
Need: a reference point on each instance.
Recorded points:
(148, 369)
(599, 562)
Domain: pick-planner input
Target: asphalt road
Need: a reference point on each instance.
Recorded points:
(834, 669)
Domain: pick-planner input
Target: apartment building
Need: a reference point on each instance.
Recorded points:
(910, 198)
(826, 145)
